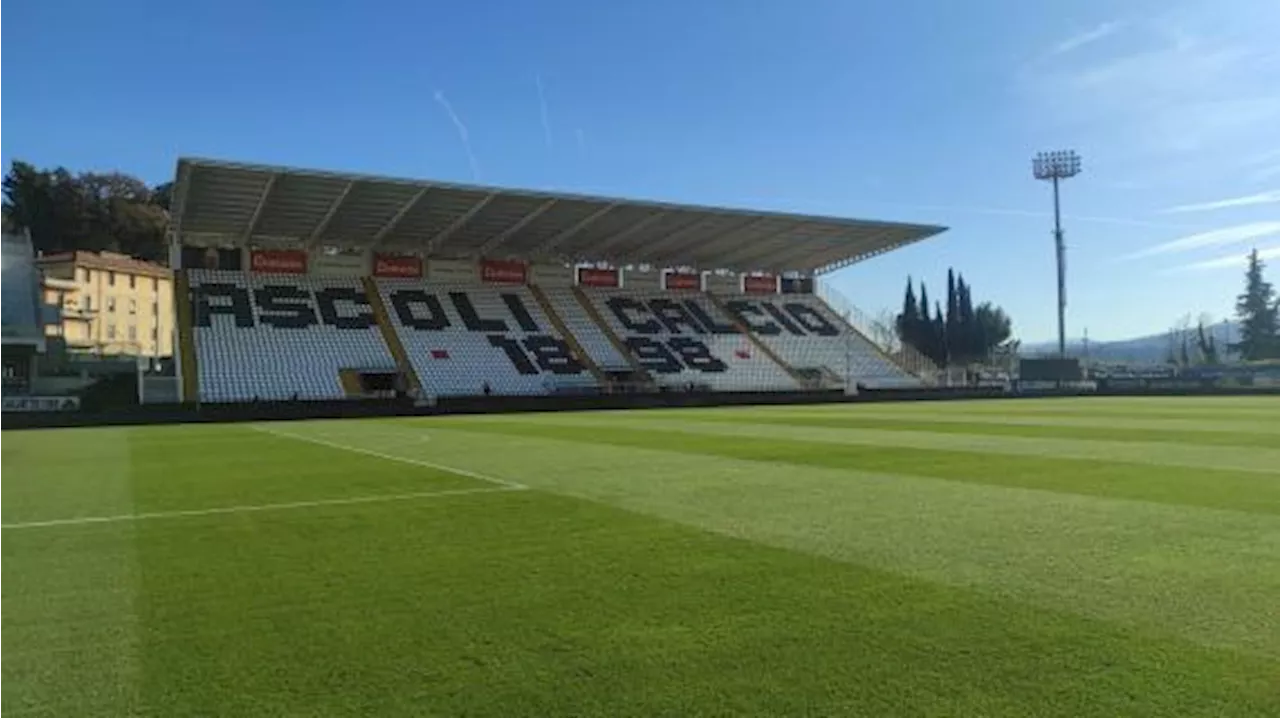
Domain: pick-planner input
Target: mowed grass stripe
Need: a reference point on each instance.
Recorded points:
(56, 596)
(1209, 488)
(1243, 408)
(999, 426)
(1256, 460)
(172, 471)
(67, 472)
(545, 605)
(1139, 563)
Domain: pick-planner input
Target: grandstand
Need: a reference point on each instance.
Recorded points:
(299, 284)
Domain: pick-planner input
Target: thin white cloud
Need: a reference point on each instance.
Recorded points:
(1235, 234)
(1088, 37)
(1268, 197)
(1012, 212)
(463, 134)
(542, 111)
(1230, 261)
(1265, 173)
(1192, 83)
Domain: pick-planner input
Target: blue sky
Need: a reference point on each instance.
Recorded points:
(912, 110)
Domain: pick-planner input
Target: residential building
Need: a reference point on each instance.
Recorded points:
(112, 304)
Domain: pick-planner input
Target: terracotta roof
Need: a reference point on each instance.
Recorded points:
(109, 261)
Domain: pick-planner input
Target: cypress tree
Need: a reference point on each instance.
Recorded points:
(908, 322)
(923, 336)
(954, 345)
(968, 325)
(939, 336)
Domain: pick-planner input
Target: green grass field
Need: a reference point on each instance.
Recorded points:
(1091, 557)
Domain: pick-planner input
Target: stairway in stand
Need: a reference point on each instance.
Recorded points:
(590, 308)
(558, 322)
(186, 337)
(389, 335)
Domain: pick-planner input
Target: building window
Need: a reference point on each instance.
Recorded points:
(133, 282)
(111, 331)
(133, 306)
(155, 309)
(155, 334)
(111, 279)
(111, 304)
(133, 332)
(88, 304)
(155, 285)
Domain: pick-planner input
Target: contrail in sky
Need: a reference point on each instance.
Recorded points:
(542, 109)
(463, 134)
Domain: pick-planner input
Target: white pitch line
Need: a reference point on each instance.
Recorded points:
(380, 498)
(392, 457)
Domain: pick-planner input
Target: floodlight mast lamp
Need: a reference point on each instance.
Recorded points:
(1058, 166)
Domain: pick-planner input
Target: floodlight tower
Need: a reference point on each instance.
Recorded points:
(1058, 166)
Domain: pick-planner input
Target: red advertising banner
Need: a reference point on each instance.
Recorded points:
(590, 277)
(677, 280)
(503, 271)
(397, 266)
(278, 261)
(767, 284)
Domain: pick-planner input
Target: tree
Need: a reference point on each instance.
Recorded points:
(954, 343)
(992, 326)
(90, 211)
(908, 322)
(971, 345)
(925, 331)
(1259, 314)
(1207, 345)
(938, 337)
(957, 335)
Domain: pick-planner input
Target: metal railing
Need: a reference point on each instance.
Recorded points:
(883, 337)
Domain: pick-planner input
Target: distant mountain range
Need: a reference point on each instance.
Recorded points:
(1153, 348)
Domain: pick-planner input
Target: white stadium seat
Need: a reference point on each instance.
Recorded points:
(804, 332)
(683, 339)
(274, 337)
(584, 328)
(461, 338)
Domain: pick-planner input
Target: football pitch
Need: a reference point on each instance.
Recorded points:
(1064, 557)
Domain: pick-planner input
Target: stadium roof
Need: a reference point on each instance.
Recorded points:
(220, 203)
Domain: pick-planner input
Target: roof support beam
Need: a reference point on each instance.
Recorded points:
(652, 253)
(658, 252)
(557, 240)
(708, 249)
(783, 258)
(399, 216)
(497, 240)
(879, 244)
(257, 210)
(761, 247)
(628, 233)
(816, 259)
(437, 242)
(329, 214)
